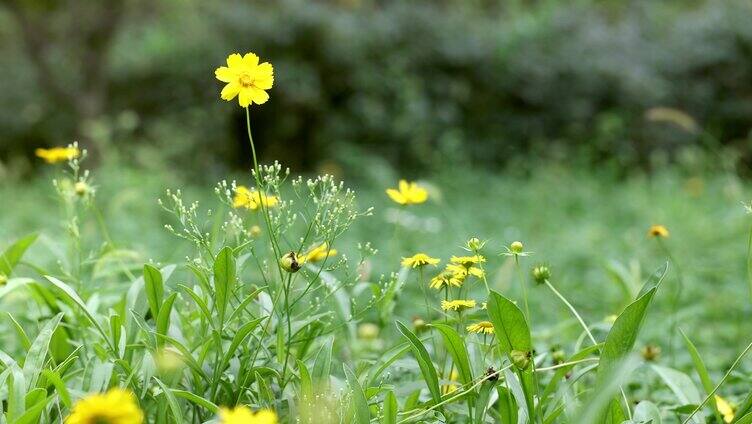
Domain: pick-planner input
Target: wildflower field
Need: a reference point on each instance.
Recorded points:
(460, 296)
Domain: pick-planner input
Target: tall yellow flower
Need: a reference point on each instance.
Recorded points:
(243, 415)
(446, 279)
(246, 79)
(58, 154)
(419, 260)
(319, 253)
(482, 327)
(457, 305)
(658, 231)
(408, 193)
(461, 272)
(252, 199)
(467, 261)
(117, 406)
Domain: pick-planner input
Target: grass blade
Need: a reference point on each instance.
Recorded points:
(424, 361)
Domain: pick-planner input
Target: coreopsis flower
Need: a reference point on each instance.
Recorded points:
(243, 415)
(246, 78)
(252, 199)
(419, 260)
(445, 279)
(319, 253)
(461, 272)
(457, 305)
(725, 408)
(408, 193)
(58, 154)
(658, 231)
(467, 261)
(482, 327)
(117, 406)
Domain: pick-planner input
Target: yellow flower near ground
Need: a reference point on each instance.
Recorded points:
(419, 260)
(658, 231)
(243, 415)
(117, 406)
(246, 79)
(482, 327)
(58, 154)
(408, 193)
(457, 305)
(445, 279)
(467, 261)
(319, 253)
(252, 199)
(725, 408)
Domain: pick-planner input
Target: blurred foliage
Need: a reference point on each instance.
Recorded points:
(423, 84)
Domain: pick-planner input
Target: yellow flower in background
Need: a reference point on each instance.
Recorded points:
(408, 193)
(419, 260)
(252, 199)
(445, 279)
(467, 261)
(452, 386)
(461, 272)
(117, 406)
(58, 154)
(658, 231)
(244, 415)
(725, 408)
(457, 305)
(319, 253)
(482, 327)
(246, 79)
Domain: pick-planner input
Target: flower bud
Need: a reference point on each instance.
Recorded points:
(419, 324)
(289, 262)
(255, 231)
(650, 352)
(368, 331)
(516, 247)
(520, 359)
(557, 356)
(81, 188)
(474, 244)
(541, 274)
(3, 279)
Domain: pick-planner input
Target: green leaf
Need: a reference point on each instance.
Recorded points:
(163, 319)
(647, 412)
(37, 354)
(702, 372)
(13, 254)
(358, 399)
(154, 287)
(424, 361)
(390, 409)
(621, 339)
(72, 296)
(13, 284)
(679, 383)
(224, 281)
(391, 355)
(507, 406)
(177, 413)
(16, 393)
(484, 395)
(307, 406)
(322, 365)
(54, 377)
(239, 337)
(198, 400)
(561, 373)
(509, 324)
(198, 300)
(457, 349)
(25, 342)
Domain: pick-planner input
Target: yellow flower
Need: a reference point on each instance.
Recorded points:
(452, 386)
(419, 260)
(457, 305)
(408, 193)
(117, 406)
(658, 231)
(446, 278)
(484, 327)
(724, 408)
(252, 199)
(461, 272)
(246, 79)
(244, 415)
(467, 261)
(319, 253)
(58, 154)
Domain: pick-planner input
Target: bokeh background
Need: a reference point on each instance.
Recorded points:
(571, 125)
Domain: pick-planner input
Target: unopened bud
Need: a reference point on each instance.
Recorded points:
(516, 247)
(81, 188)
(368, 331)
(474, 244)
(541, 274)
(650, 352)
(419, 324)
(255, 231)
(520, 359)
(289, 262)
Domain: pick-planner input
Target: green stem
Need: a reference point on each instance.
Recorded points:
(574, 311)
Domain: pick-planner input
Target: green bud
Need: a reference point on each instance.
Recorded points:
(650, 352)
(516, 247)
(474, 244)
(419, 324)
(520, 359)
(368, 331)
(289, 262)
(541, 274)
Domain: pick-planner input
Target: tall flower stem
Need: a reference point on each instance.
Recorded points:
(574, 311)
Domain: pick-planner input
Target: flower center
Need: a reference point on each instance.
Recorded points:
(245, 80)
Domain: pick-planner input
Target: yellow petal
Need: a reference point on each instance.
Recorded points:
(250, 60)
(403, 186)
(230, 91)
(264, 83)
(244, 97)
(396, 196)
(234, 60)
(224, 74)
(258, 95)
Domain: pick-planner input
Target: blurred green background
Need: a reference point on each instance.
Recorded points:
(571, 125)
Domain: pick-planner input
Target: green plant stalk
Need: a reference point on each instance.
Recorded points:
(677, 297)
(749, 262)
(480, 265)
(574, 311)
